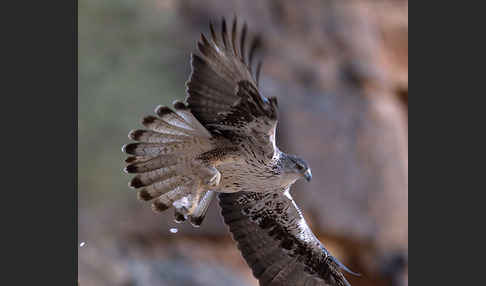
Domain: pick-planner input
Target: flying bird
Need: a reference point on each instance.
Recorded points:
(221, 140)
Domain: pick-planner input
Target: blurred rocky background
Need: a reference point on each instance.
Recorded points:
(340, 71)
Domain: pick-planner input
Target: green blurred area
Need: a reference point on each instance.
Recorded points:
(128, 64)
(134, 55)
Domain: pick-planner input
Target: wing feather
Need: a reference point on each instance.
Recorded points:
(222, 90)
(276, 242)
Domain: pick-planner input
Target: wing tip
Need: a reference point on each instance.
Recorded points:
(229, 43)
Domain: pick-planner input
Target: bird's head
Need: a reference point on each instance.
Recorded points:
(296, 167)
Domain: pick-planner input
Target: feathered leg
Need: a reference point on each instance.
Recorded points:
(197, 217)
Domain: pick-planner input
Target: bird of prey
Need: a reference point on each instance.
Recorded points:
(221, 140)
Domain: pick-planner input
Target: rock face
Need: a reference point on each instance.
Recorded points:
(340, 72)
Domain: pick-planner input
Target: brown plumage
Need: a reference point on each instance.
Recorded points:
(222, 140)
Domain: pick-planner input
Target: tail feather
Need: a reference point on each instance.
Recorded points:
(149, 136)
(148, 178)
(154, 163)
(156, 124)
(137, 159)
(183, 111)
(171, 117)
(162, 156)
(155, 149)
(164, 201)
(159, 188)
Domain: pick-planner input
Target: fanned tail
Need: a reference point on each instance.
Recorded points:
(162, 155)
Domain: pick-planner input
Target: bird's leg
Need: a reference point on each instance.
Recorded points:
(204, 177)
(213, 177)
(209, 175)
(194, 203)
(197, 217)
(207, 163)
(188, 204)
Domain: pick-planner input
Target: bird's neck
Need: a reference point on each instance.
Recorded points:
(282, 179)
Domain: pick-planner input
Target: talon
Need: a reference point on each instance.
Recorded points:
(196, 221)
(183, 210)
(178, 216)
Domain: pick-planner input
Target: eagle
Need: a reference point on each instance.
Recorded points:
(221, 141)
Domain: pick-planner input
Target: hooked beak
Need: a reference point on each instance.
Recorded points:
(308, 175)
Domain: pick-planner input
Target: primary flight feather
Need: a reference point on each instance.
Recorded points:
(222, 140)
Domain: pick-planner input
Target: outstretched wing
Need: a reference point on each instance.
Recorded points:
(276, 242)
(223, 93)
